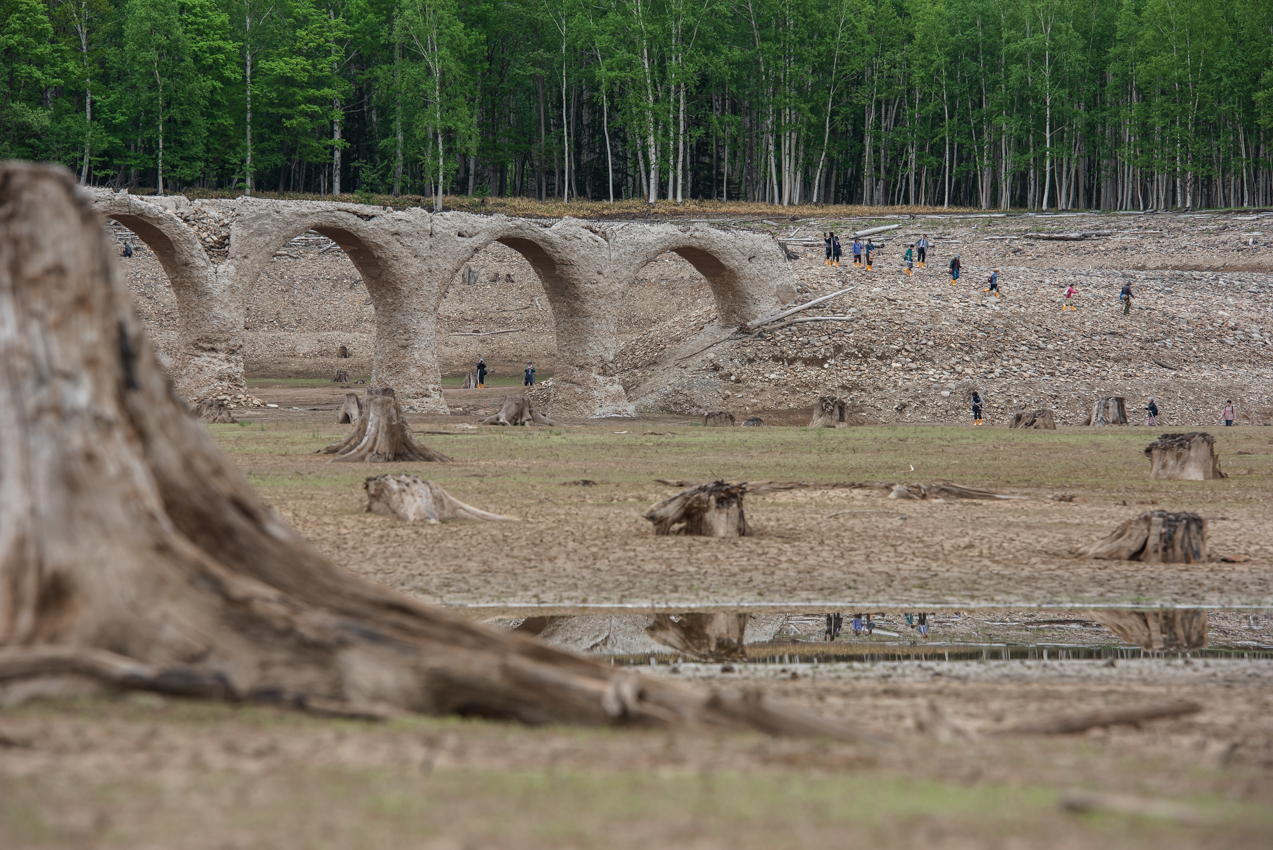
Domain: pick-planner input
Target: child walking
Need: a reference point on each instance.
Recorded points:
(955, 267)
(909, 258)
(976, 408)
(826, 238)
(1068, 304)
(857, 252)
(870, 249)
(994, 283)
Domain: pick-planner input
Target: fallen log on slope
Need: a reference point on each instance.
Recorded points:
(1073, 724)
(412, 500)
(179, 579)
(1069, 237)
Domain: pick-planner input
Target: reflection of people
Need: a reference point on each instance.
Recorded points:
(869, 626)
(1152, 410)
(1228, 413)
(528, 376)
(481, 373)
(857, 625)
(923, 624)
(128, 249)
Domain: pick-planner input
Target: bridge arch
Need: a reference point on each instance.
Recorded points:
(210, 358)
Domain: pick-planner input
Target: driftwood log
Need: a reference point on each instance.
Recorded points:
(215, 411)
(1041, 420)
(1073, 724)
(1184, 457)
(753, 422)
(942, 492)
(179, 579)
(350, 411)
(714, 509)
(517, 410)
(1108, 411)
(718, 419)
(341, 377)
(382, 434)
(1172, 629)
(1154, 537)
(412, 500)
(712, 637)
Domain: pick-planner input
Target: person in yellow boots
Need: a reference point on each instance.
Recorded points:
(994, 283)
(836, 252)
(955, 267)
(922, 245)
(857, 252)
(826, 238)
(976, 409)
(909, 258)
(1068, 304)
(869, 250)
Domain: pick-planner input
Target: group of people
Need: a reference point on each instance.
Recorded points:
(865, 624)
(528, 374)
(864, 252)
(1228, 413)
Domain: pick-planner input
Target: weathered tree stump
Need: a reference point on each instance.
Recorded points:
(350, 411)
(712, 637)
(1108, 411)
(718, 419)
(1154, 537)
(1184, 457)
(341, 377)
(382, 435)
(470, 275)
(1173, 629)
(828, 412)
(412, 500)
(342, 352)
(1040, 420)
(517, 410)
(178, 579)
(707, 510)
(470, 380)
(753, 422)
(215, 411)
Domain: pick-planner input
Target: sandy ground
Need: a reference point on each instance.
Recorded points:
(580, 548)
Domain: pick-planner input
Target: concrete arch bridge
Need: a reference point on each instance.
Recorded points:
(214, 251)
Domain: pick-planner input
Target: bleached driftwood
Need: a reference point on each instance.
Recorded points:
(1040, 420)
(719, 419)
(410, 499)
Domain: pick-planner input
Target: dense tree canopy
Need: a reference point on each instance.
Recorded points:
(1055, 104)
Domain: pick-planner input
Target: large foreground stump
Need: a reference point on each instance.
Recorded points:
(1171, 629)
(1155, 537)
(712, 637)
(707, 510)
(350, 411)
(1108, 411)
(412, 500)
(517, 410)
(382, 435)
(176, 578)
(1184, 457)
(1040, 420)
(719, 419)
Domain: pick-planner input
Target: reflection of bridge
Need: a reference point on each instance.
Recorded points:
(213, 251)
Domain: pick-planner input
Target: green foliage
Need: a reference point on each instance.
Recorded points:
(990, 103)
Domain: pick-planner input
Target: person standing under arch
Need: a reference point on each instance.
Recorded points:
(528, 375)
(481, 373)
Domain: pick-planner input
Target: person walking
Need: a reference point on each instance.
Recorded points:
(1068, 303)
(857, 252)
(826, 239)
(955, 267)
(870, 253)
(923, 250)
(1227, 414)
(1152, 410)
(128, 249)
(528, 375)
(836, 251)
(1125, 295)
(976, 408)
(909, 258)
(481, 373)
(994, 283)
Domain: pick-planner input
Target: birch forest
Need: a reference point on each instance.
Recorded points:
(1039, 104)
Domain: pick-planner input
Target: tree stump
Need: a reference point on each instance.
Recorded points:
(711, 637)
(470, 275)
(1040, 420)
(350, 411)
(828, 412)
(707, 510)
(470, 381)
(177, 579)
(753, 422)
(1171, 629)
(718, 419)
(412, 500)
(1154, 537)
(342, 352)
(215, 412)
(1108, 411)
(517, 410)
(382, 435)
(341, 377)
(1184, 457)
